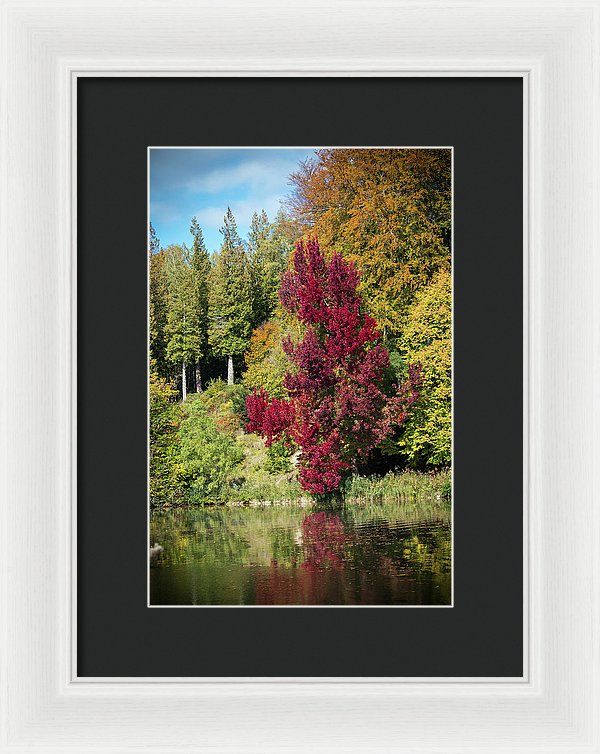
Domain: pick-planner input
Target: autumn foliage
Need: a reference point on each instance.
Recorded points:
(386, 210)
(341, 403)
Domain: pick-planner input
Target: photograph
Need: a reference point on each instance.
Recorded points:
(300, 352)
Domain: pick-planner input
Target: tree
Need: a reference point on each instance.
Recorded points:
(269, 249)
(426, 438)
(200, 264)
(258, 252)
(184, 343)
(230, 297)
(341, 401)
(260, 228)
(154, 242)
(266, 362)
(386, 210)
(283, 235)
(159, 304)
(286, 230)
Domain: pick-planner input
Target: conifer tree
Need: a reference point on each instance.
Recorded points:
(258, 240)
(158, 307)
(200, 263)
(269, 249)
(183, 345)
(285, 231)
(154, 242)
(259, 231)
(230, 297)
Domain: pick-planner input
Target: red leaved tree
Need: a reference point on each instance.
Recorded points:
(339, 406)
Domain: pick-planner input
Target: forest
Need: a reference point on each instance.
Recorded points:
(312, 359)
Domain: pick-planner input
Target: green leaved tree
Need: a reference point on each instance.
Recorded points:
(200, 264)
(426, 438)
(230, 297)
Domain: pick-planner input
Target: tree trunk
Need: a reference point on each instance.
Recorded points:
(230, 370)
(198, 378)
(183, 382)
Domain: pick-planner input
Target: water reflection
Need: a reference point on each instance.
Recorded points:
(324, 538)
(377, 554)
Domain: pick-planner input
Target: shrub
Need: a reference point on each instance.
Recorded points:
(278, 458)
(226, 404)
(209, 457)
(166, 470)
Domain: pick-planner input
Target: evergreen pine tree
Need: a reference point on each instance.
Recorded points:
(258, 241)
(183, 345)
(269, 246)
(200, 270)
(158, 307)
(154, 242)
(230, 297)
(259, 231)
(283, 236)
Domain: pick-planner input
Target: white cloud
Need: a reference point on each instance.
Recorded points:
(164, 212)
(266, 175)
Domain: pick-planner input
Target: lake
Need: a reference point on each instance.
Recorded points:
(376, 553)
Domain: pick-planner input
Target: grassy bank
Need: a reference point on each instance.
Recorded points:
(403, 488)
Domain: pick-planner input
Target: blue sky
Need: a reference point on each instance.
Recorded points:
(204, 182)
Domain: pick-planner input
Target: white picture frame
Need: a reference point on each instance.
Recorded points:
(554, 48)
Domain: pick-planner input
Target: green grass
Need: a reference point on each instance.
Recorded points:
(406, 488)
(402, 487)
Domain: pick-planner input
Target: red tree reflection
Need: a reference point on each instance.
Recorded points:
(324, 538)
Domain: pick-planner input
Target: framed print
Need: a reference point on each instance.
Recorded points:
(128, 490)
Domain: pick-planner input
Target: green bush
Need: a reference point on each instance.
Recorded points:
(226, 404)
(278, 458)
(209, 457)
(166, 470)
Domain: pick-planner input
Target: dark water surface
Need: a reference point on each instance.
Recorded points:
(291, 554)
